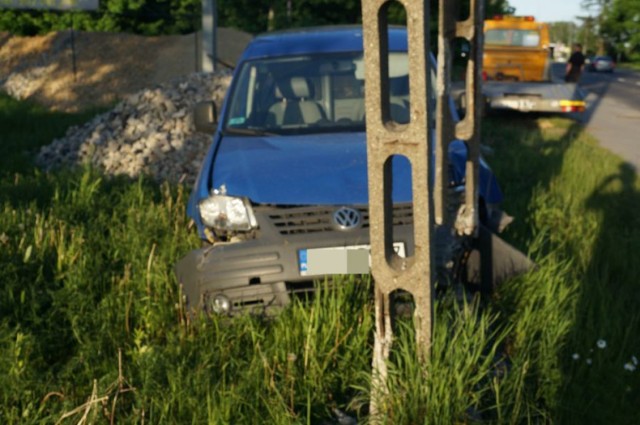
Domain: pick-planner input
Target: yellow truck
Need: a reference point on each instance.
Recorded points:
(517, 64)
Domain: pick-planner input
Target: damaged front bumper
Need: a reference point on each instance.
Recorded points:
(293, 247)
(261, 274)
(296, 246)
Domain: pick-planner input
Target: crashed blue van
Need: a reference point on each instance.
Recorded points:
(285, 178)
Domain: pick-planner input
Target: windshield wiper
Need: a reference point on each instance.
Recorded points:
(246, 132)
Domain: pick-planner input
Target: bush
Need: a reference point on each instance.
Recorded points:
(151, 17)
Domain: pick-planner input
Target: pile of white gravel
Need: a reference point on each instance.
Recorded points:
(150, 132)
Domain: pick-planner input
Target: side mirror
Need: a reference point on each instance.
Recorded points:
(205, 117)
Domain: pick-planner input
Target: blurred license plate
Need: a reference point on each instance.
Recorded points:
(338, 260)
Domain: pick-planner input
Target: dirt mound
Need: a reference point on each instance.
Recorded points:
(109, 66)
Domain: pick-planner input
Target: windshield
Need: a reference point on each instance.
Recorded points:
(310, 94)
(512, 37)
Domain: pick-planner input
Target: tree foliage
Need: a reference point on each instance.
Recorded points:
(563, 32)
(152, 17)
(620, 27)
(617, 25)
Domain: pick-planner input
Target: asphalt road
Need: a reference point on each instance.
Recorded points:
(613, 111)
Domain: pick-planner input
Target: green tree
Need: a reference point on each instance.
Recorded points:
(150, 17)
(588, 37)
(153, 17)
(247, 15)
(563, 32)
(617, 26)
(620, 27)
(256, 16)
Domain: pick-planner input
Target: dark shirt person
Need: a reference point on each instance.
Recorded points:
(575, 65)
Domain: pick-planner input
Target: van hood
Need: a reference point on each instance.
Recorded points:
(317, 169)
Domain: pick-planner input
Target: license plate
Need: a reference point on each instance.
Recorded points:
(518, 104)
(339, 260)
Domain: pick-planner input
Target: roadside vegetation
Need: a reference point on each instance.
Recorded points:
(631, 65)
(93, 330)
(151, 17)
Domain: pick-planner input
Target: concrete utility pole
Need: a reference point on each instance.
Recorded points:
(386, 138)
(209, 35)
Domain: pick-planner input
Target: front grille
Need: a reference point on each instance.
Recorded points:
(305, 220)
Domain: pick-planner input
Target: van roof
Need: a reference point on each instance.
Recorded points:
(314, 40)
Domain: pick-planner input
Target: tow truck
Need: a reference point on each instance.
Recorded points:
(517, 69)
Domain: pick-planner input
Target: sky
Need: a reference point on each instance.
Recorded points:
(549, 10)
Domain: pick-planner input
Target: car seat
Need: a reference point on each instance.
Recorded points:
(296, 105)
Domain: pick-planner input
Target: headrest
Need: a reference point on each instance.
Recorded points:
(294, 88)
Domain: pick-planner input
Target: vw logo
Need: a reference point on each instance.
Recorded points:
(346, 218)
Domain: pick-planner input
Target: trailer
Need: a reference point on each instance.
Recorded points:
(556, 97)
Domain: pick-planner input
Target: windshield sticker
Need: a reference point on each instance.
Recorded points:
(237, 121)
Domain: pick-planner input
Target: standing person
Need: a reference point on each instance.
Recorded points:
(574, 65)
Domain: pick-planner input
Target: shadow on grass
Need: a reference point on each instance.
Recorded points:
(25, 127)
(525, 161)
(600, 383)
(581, 205)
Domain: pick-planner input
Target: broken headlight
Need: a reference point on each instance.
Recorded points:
(227, 213)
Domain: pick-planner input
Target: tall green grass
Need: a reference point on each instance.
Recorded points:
(578, 207)
(92, 326)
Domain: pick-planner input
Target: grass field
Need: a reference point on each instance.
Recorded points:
(92, 329)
